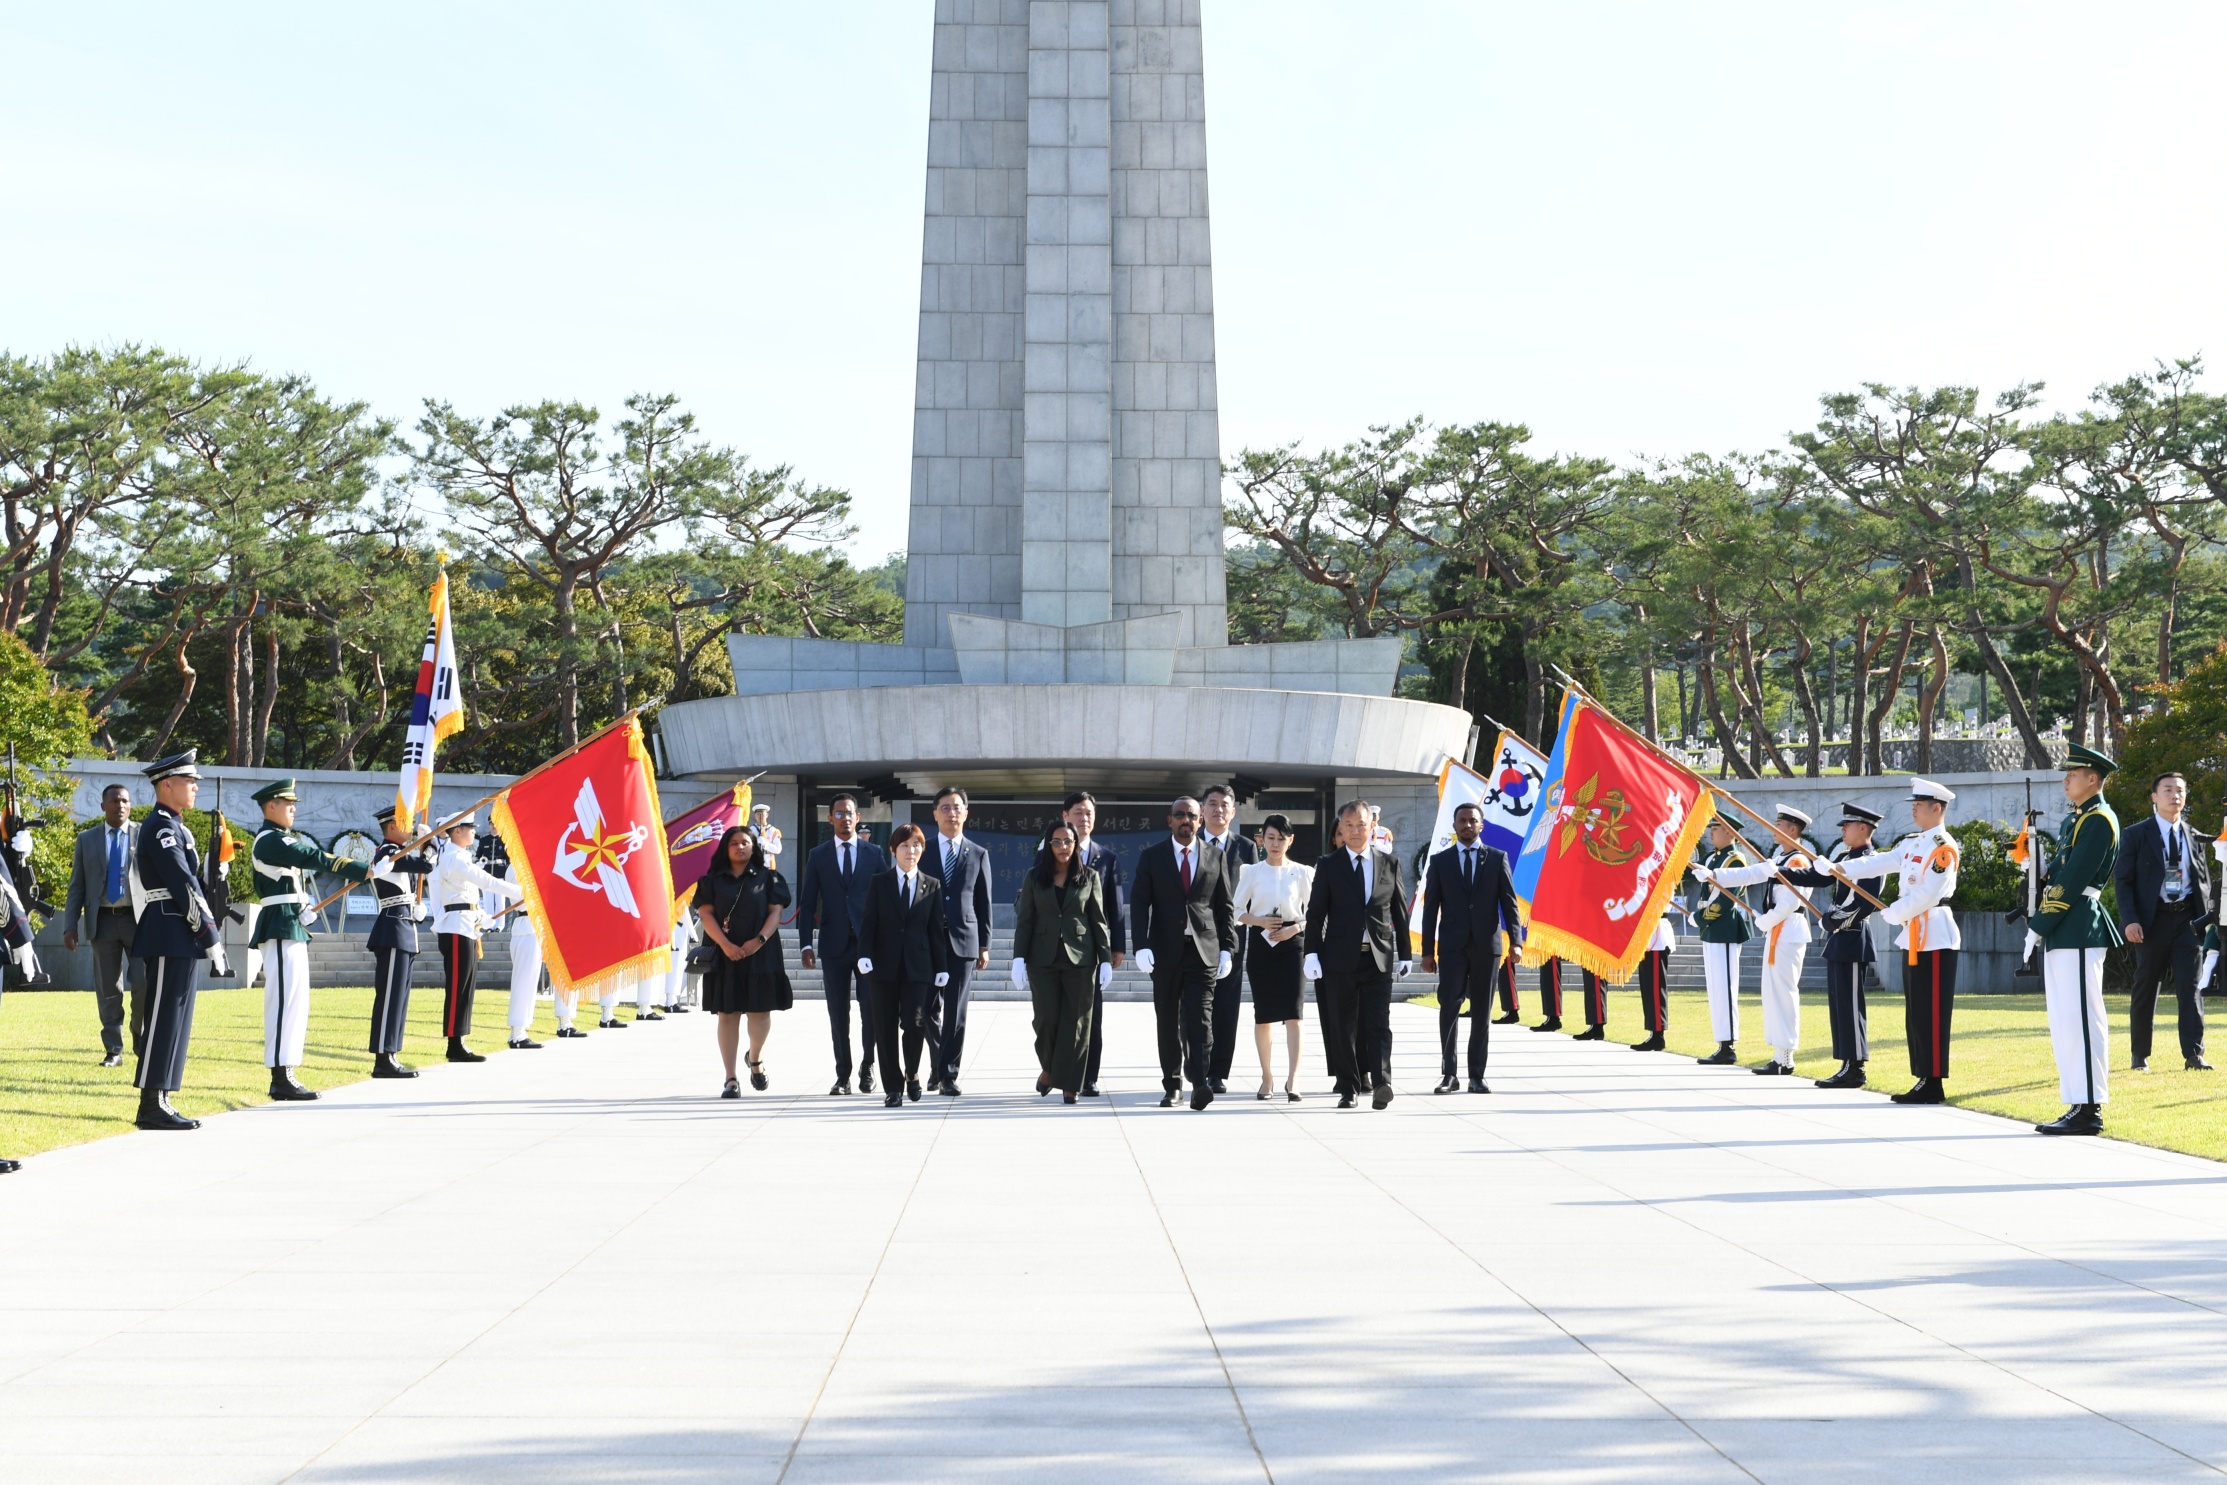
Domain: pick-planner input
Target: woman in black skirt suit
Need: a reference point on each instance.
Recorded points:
(739, 902)
(1271, 902)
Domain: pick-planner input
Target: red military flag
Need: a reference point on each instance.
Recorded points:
(692, 838)
(1617, 824)
(581, 832)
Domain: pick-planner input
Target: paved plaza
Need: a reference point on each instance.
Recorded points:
(574, 1265)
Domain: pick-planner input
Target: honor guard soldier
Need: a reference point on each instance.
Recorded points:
(1724, 928)
(1654, 984)
(1848, 950)
(396, 876)
(1925, 864)
(285, 862)
(458, 881)
(176, 932)
(1550, 995)
(1592, 998)
(1785, 935)
(2076, 933)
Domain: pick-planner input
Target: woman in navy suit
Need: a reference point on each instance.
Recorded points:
(901, 949)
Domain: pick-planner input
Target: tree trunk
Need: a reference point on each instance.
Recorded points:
(2083, 702)
(1890, 686)
(1749, 688)
(269, 697)
(568, 665)
(1929, 699)
(1859, 688)
(344, 756)
(187, 675)
(1534, 695)
(1728, 739)
(1685, 710)
(1805, 694)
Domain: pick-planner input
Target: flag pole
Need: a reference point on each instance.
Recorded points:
(1722, 794)
(473, 807)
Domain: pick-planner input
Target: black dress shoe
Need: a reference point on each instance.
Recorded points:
(893, 1099)
(1382, 1098)
(912, 1090)
(949, 1089)
(458, 1052)
(676, 1010)
(1221, 1086)
(1043, 1084)
(2197, 1064)
(1345, 1100)
(1477, 1085)
(1090, 1090)
(285, 1090)
(865, 1080)
(2080, 1118)
(1924, 1090)
(113, 1059)
(10, 1167)
(1723, 1056)
(613, 1024)
(1592, 1034)
(155, 1112)
(647, 1016)
(1068, 1096)
(840, 1089)
(525, 1044)
(732, 1089)
(1851, 1075)
(1167, 1099)
(1448, 1084)
(1774, 1069)
(384, 1066)
(2140, 1064)
(1654, 1043)
(1202, 1094)
(1508, 1020)
(1551, 1023)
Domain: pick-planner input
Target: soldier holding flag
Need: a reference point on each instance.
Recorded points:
(1925, 863)
(1724, 928)
(285, 861)
(1848, 948)
(1785, 935)
(2076, 933)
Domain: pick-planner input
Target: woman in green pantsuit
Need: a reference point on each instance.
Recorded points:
(1063, 953)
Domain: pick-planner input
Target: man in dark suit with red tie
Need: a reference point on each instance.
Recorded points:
(1467, 902)
(1356, 946)
(1181, 916)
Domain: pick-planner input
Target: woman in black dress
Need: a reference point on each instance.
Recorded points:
(739, 902)
(1271, 901)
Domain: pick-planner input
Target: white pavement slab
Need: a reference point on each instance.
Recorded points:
(576, 1265)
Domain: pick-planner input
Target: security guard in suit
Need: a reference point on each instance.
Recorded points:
(285, 863)
(176, 932)
(1848, 950)
(1724, 928)
(396, 876)
(2076, 933)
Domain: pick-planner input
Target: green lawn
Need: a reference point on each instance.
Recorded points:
(1999, 1059)
(54, 1092)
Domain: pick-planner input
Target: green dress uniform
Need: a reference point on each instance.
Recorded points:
(1724, 928)
(284, 861)
(2076, 933)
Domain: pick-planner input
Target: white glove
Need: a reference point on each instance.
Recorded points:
(1703, 875)
(219, 966)
(20, 843)
(2033, 942)
(865, 966)
(1105, 974)
(1221, 967)
(942, 980)
(1144, 960)
(1312, 969)
(1020, 974)
(1403, 969)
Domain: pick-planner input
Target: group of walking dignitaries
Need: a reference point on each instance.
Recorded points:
(901, 931)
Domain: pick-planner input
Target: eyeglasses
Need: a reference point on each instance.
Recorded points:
(1182, 815)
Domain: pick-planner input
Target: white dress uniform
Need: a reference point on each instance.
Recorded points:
(1784, 924)
(525, 973)
(676, 979)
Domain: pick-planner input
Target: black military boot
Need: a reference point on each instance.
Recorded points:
(1654, 1043)
(2079, 1118)
(1723, 1056)
(383, 1065)
(1591, 1034)
(155, 1112)
(1924, 1090)
(1850, 1075)
(285, 1090)
(1551, 1023)
(458, 1052)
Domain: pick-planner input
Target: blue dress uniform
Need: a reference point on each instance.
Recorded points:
(1848, 952)
(176, 932)
(394, 947)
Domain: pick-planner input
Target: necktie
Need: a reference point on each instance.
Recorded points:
(846, 861)
(1469, 865)
(908, 889)
(948, 853)
(2173, 858)
(1185, 854)
(115, 865)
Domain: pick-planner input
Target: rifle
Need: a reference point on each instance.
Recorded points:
(21, 871)
(2026, 851)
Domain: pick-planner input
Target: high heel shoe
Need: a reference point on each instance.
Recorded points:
(732, 1090)
(1068, 1096)
(1289, 1095)
(1267, 1090)
(757, 1073)
(1043, 1084)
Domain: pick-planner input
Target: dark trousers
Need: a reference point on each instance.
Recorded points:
(170, 987)
(1844, 1007)
(1356, 1005)
(1654, 990)
(839, 973)
(1097, 1037)
(459, 973)
(900, 1011)
(947, 1019)
(1928, 1009)
(1183, 1015)
(117, 980)
(1595, 996)
(1229, 1000)
(2169, 946)
(1511, 996)
(1550, 987)
(1470, 978)
(1059, 1003)
(390, 997)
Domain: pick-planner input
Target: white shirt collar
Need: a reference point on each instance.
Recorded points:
(2165, 824)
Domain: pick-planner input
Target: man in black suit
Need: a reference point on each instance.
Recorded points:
(1467, 902)
(963, 870)
(1356, 944)
(832, 898)
(1080, 810)
(1183, 924)
(100, 898)
(1218, 828)
(902, 947)
(2165, 901)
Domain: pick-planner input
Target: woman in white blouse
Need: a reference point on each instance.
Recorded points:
(1271, 901)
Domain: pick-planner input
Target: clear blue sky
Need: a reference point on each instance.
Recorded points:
(1643, 228)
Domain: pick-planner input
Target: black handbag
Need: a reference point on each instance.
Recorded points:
(703, 956)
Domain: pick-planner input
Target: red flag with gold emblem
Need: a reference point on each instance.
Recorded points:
(1617, 824)
(587, 841)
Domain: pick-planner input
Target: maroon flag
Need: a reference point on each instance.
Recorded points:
(691, 839)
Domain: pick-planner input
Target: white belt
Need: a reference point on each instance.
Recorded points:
(2093, 894)
(284, 899)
